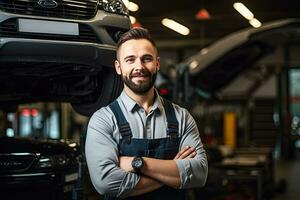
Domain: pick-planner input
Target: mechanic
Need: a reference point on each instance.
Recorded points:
(142, 146)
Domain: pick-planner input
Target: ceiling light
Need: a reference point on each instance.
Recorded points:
(132, 19)
(175, 26)
(126, 3)
(133, 7)
(243, 10)
(255, 23)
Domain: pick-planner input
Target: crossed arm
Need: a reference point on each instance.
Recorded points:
(110, 174)
(156, 172)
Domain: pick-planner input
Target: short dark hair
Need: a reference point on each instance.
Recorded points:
(135, 34)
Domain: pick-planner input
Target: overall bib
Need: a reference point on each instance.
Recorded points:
(162, 148)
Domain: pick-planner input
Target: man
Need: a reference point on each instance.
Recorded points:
(142, 146)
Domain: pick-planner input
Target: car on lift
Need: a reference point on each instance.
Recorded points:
(60, 50)
(230, 68)
(53, 51)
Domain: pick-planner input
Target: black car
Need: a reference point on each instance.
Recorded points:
(38, 169)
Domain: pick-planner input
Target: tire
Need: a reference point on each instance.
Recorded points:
(111, 87)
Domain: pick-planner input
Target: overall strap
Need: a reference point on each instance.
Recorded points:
(172, 122)
(122, 123)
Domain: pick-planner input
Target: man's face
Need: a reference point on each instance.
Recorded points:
(138, 64)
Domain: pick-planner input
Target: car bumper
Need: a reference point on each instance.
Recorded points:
(34, 50)
(95, 44)
(104, 26)
(37, 185)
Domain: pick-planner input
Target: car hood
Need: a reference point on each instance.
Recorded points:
(37, 146)
(214, 67)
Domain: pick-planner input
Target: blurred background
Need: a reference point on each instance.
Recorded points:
(233, 65)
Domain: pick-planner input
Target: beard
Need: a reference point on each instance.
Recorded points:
(143, 86)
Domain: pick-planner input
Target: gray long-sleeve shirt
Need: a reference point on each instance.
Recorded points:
(102, 140)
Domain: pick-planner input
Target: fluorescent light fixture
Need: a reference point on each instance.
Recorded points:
(132, 19)
(243, 10)
(133, 7)
(255, 23)
(126, 3)
(130, 5)
(175, 26)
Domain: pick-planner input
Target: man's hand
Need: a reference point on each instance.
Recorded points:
(125, 163)
(187, 152)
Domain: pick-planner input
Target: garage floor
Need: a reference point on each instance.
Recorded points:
(290, 171)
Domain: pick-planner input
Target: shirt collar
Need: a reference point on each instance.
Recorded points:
(158, 103)
(132, 105)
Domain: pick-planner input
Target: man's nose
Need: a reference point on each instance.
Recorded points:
(139, 64)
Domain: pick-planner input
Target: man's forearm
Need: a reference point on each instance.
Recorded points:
(164, 171)
(145, 185)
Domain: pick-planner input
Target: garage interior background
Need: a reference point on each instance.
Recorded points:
(251, 130)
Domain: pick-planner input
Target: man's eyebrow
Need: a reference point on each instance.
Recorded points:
(145, 55)
(130, 56)
(148, 55)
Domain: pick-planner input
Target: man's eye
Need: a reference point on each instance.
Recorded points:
(148, 59)
(130, 60)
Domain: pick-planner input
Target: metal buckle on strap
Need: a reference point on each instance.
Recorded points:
(173, 130)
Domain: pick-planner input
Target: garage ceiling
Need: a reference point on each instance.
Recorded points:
(224, 18)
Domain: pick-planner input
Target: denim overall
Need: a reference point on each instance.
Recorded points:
(162, 148)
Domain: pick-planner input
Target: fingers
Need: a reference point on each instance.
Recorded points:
(187, 152)
(192, 155)
(181, 152)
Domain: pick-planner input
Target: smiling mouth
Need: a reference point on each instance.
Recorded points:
(139, 77)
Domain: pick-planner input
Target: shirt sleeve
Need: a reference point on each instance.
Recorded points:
(193, 172)
(101, 150)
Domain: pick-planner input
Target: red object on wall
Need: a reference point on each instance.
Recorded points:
(202, 14)
(136, 25)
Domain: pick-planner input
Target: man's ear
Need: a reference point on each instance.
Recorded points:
(118, 67)
(157, 63)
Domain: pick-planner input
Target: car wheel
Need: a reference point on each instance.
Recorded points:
(110, 87)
